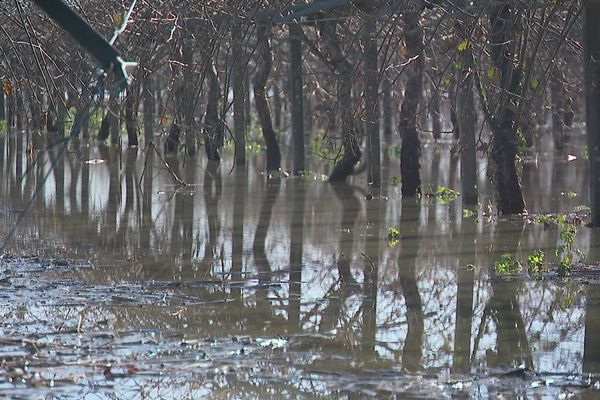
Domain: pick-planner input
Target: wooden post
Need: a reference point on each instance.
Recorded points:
(591, 46)
(297, 97)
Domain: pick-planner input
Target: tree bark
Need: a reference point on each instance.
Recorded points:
(213, 125)
(149, 109)
(2, 106)
(264, 64)
(410, 152)
(591, 45)
(344, 167)
(434, 112)
(173, 138)
(10, 110)
(239, 122)
(387, 107)
(297, 96)
(113, 119)
(131, 117)
(188, 101)
(503, 22)
(371, 103)
(465, 118)
(558, 105)
(104, 130)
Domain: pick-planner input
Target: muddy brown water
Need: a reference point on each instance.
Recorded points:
(120, 282)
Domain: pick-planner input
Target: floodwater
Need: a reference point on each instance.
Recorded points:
(121, 282)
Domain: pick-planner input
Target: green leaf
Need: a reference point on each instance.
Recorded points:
(393, 236)
(462, 46)
(534, 84)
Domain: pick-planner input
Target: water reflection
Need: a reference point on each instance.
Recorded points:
(236, 257)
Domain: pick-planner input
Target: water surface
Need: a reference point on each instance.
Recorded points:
(122, 282)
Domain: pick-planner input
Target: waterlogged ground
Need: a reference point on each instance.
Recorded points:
(122, 283)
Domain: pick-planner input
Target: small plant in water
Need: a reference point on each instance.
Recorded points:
(583, 209)
(278, 174)
(394, 181)
(506, 264)
(566, 251)
(324, 148)
(535, 262)
(585, 153)
(446, 195)
(393, 236)
(253, 147)
(468, 213)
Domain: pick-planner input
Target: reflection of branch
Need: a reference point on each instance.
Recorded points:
(482, 325)
(173, 174)
(336, 295)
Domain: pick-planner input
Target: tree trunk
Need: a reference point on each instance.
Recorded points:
(35, 110)
(149, 109)
(247, 99)
(173, 138)
(239, 122)
(558, 105)
(504, 141)
(131, 117)
(465, 119)
(188, 101)
(213, 125)
(10, 110)
(61, 114)
(591, 45)
(20, 112)
(387, 107)
(115, 121)
(434, 112)
(297, 97)
(264, 63)
(372, 103)
(345, 77)
(277, 106)
(104, 130)
(179, 114)
(411, 145)
(2, 106)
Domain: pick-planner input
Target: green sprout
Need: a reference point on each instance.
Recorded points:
(506, 264)
(535, 262)
(393, 236)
